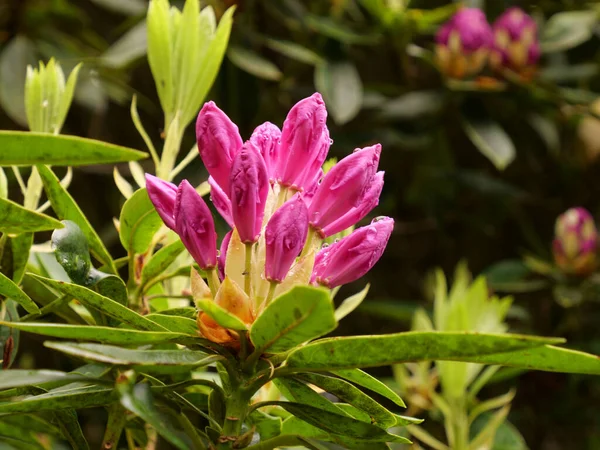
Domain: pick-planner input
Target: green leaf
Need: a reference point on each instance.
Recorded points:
(101, 303)
(20, 246)
(10, 290)
(365, 380)
(253, 63)
(72, 252)
(71, 430)
(138, 399)
(380, 416)
(492, 141)
(294, 51)
(161, 260)
(19, 378)
(342, 89)
(16, 55)
(143, 360)
(110, 286)
(567, 29)
(139, 222)
(175, 324)
(413, 106)
(21, 148)
(328, 27)
(299, 392)
(301, 314)
(76, 398)
(67, 209)
(9, 337)
(220, 315)
(383, 350)
(93, 333)
(267, 426)
(339, 424)
(351, 303)
(14, 219)
(129, 47)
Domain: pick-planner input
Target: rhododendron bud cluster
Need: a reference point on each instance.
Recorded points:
(467, 42)
(576, 242)
(271, 190)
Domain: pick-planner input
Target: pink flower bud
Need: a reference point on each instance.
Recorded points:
(302, 139)
(355, 214)
(308, 180)
(249, 189)
(223, 254)
(516, 45)
(344, 186)
(162, 195)
(218, 142)
(353, 256)
(285, 235)
(463, 43)
(576, 242)
(195, 226)
(266, 137)
(221, 201)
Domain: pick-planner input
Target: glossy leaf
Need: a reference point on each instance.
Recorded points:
(365, 380)
(94, 333)
(20, 148)
(161, 260)
(299, 392)
(67, 209)
(342, 89)
(175, 324)
(81, 397)
(383, 350)
(9, 289)
(20, 378)
(72, 252)
(9, 337)
(299, 315)
(139, 222)
(15, 219)
(351, 303)
(103, 304)
(20, 246)
(492, 141)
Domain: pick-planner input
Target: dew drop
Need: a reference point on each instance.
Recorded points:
(45, 103)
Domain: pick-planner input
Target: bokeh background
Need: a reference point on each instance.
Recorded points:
(372, 60)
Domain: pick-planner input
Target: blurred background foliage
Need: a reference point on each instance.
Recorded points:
(476, 170)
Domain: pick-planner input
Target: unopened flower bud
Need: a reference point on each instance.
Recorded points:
(516, 45)
(221, 201)
(195, 226)
(266, 138)
(463, 43)
(223, 254)
(285, 235)
(575, 242)
(344, 187)
(303, 139)
(162, 194)
(249, 189)
(218, 142)
(353, 256)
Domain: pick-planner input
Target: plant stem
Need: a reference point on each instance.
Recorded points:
(236, 409)
(308, 246)
(457, 425)
(248, 271)
(271, 294)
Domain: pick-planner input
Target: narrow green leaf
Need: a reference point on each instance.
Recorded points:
(294, 51)
(19, 378)
(114, 426)
(14, 219)
(67, 209)
(93, 333)
(9, 337)
(342, 89)
(103, 304)
(162, 259)
(365, 380)
(299, 392)
(299, 315)
(175, 324)
(20, 246)
(21, 148)
(139, 401)
(220, 315)
(85, 397)
(383, 350)
(10, 290)
(567, 29)
(129, 47)
(71, 430)
(139, 222)
(351, 303)
(253, 63)
(492, 141)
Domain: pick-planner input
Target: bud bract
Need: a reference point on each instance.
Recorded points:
(195, 226)
(463, 43)
(218, 142)
(285, 235)
(353, 256)
(575, 242)
(516, 45)
(344, 187)
(249, 189)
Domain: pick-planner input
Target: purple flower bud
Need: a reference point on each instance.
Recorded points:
(463, 43)
(516, 45)
(575, 242)
(355, 214)
(344, 187)
(221, 201)
(353, 256)
(302, 139)
(308, 180)
(249, 189)
(195, 226)
(266, 137)
(285, 235)
(162, 195)
(223, 254)
(218, 142)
